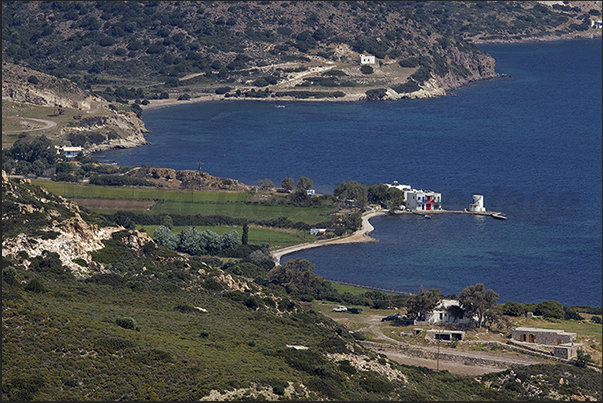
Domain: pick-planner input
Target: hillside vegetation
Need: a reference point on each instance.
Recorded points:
(102, 62)
(104, 45)
(122, 318)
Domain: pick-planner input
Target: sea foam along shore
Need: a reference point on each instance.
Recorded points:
(362, 235)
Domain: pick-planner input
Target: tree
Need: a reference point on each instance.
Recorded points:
(167, 222)
(245, 236)
(287, 183)
(513, 309)
(423, 302)
(190, 241)
(550, 309)
(229, 240)
(366, 69)
(163, 235)
(304, 183)
(352, 190)
(394, 199)
(377, 193)
(476, 301)
(298, 278)
(266, 183)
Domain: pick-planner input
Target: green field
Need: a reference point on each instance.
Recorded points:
(206, 203)
(79, 190)
(274, 238)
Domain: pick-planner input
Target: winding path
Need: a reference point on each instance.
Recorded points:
(47, 125)
(362, 235)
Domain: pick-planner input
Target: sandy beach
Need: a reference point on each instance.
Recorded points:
(361, 235)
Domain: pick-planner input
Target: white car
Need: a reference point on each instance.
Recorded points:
(340, 309)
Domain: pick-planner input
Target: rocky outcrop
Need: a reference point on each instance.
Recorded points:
(120, 129)
(186, 179)
(73, 237)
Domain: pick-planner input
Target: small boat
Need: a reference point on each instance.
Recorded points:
(427, 216)
(500, 216)
(280, 106)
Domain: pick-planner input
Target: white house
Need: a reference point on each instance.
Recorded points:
(310, 192)
(597, 24)
(478, 204)
(420, 200)
(446, 313)
(366, 59)
(318, 231)
(70, 152)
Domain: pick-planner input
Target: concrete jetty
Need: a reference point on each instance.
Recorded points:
(495, 214)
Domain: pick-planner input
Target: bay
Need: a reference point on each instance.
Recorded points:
(530, 143)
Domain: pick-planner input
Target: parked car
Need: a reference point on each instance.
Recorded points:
(340, 308)
(396, 316)
(355, 310)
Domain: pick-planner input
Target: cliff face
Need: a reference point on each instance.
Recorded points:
(36, 222)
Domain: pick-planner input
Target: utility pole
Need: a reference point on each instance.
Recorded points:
(438, 356)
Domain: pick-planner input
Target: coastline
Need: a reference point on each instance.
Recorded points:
(355, 97)
(362, 235)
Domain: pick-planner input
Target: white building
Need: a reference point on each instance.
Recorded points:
(366, 59)
(70, 152)
(446, 313)
(478, 204)
(420, 200)
(597, 24)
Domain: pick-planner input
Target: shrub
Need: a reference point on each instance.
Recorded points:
(35, 285)
(550, 309)
(9, 275)
(222, 90)
(184, 308)
(126, 323)
(366, 69)
(376, 94)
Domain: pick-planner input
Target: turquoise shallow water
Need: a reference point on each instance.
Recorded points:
(530, 143)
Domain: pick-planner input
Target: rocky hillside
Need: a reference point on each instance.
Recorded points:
(96, 312)
(70, 114)
(181, 49)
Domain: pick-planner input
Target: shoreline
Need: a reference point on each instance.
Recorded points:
(362, 235)
(353, 97)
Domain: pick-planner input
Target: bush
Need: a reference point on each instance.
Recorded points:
(366, 69)
(550, 309)
(126, 323)
(35, 285)
(222, 90)
(9, 275)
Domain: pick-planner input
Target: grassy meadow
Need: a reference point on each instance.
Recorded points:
(204, 203)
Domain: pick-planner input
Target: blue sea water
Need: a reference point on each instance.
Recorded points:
(530, 143)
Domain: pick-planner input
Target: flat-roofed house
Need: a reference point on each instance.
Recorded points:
(549, 337)
(366, 59)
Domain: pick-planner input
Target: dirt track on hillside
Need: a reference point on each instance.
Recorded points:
(455, 360)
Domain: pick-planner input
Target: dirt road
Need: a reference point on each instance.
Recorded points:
(360, 236)
(460, 361)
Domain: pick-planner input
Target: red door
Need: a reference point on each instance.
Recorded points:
(428, 207)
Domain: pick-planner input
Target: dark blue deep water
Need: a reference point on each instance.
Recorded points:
(530, 143)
